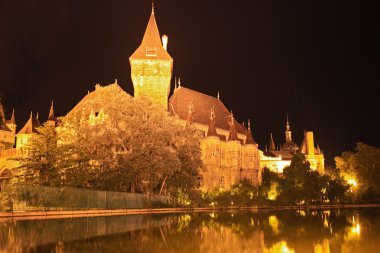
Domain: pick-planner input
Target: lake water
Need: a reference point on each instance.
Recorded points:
(285, 231)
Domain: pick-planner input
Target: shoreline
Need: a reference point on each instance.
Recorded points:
(37, 215)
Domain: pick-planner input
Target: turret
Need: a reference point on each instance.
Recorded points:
(272, 146)
(249, 138)
(211, 131)
(288, 133)
(30, 128)
(233, 134)
(151, 66)
(211, 155)
(52, 120)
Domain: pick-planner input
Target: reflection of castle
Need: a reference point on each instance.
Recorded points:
(228, 149)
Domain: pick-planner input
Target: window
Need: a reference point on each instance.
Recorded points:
(151, 51)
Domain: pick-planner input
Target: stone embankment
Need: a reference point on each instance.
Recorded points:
(27, 215)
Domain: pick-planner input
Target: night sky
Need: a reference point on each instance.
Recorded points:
(317, 61)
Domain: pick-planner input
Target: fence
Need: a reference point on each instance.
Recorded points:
(33, 197)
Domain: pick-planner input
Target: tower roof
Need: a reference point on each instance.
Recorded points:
(233, 133)
(30, 126)
(2, 115)
(151, 46)
(211, 126)
(51, 113)
(13, 118)
(3, 125)
(272, 146)
(249, 138)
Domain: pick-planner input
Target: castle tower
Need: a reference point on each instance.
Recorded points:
(30, 128)
(52, 120)
(7, 135)
(2, 114)
(289, 145)
(313, 156)
(288, 133)
(233, 156)
(211, 155)
(272, 146)
(152, 66)
(251, 165)
(12, 122)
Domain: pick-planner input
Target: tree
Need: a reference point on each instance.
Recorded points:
(361, 168)
(111, 141)
(270, 186)
(300, 183)
(43, 162)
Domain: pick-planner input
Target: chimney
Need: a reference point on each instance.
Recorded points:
(165, 42)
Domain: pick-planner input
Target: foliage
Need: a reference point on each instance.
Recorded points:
(43, 162)
(270, 186)
(114, 142)
(239, 194)
(362, 168)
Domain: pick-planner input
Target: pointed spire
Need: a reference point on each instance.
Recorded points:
(2, 115)
(51, 113)
(179, 82)
(13, 118)
(288, 133)
(233, 133)
(151, 46)
(249, 138)
(211, 126)
(31, 125)
(218, 96)
(272, 146)
(116, 81)
(287, 123)
(152, 6)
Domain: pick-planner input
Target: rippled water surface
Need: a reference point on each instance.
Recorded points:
(340, 230)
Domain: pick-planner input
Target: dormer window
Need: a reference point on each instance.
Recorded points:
(151, 51)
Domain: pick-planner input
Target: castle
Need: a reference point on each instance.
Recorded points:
(229, 151)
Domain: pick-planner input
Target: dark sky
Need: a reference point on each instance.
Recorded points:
(317, 61)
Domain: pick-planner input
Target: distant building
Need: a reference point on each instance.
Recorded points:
(276, 159)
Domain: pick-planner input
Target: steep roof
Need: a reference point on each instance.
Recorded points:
(272, 146)
(211, 126)
(3, 125)
(2, 115)
(249, 138)
(202, 103)
(51, 113)
(30, 126)
(151, 45)
(233, 134)
(13, 119)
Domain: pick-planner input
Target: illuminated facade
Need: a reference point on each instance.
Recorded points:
(276, 159)
(229, 151)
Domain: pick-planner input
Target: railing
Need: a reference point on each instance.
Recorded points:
(41, 198)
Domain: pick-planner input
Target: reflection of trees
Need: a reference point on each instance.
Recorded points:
(298, 230)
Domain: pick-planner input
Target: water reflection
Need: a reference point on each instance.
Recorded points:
(319, 231)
